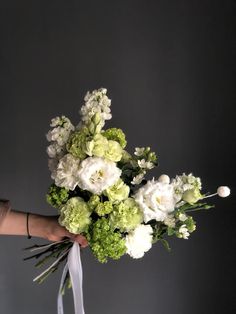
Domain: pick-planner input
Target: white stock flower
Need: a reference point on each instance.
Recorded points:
(156, 199)
(184, 183)
(139, 151)
(62, 128)
(138, 179)
(67, 172)
(169, 221)
(139, 241)
(56, 151)
(145, 164)
(52, 165)
(183, 230)
(96, 102)
(96, 174)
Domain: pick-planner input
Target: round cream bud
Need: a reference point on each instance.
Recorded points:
(164, 179)
(223, 191)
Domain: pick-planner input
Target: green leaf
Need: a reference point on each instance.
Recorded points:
(166, 244)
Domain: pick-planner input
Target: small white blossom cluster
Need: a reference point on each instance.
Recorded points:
(58, 136)
(96, 102)
(185, 182)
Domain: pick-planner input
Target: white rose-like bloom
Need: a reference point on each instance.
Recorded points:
(96, 174)
(156, 199)
(139, 241)
(66, 175)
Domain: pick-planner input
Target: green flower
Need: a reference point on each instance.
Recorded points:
(100, 145)
(77, 143)
(103, 209)
(104, 241)
(118, 192)
(75, 215)
(192, 196)
(57, 196)
(93, 202)
(126, 215)
(113, 151)
(116, 135)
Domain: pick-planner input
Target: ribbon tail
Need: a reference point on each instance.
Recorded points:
(76, 275)
(60, 296)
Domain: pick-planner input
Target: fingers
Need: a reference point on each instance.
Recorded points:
(81, 240)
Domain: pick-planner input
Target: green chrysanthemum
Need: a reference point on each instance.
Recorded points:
(75, 215)
(77, 143)
(126, 215)
(105, 242)
(116, 135)
(57, 196)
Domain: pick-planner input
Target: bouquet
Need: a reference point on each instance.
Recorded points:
(100, 190)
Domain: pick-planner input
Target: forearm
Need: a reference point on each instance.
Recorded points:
(15, 223)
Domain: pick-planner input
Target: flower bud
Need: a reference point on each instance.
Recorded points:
(192, 196)
(164, 179)
(223, 191)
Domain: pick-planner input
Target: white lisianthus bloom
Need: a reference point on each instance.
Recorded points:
(183, 230)
(96, 102)
(62, 128)
(156, 199)
(145, 164)
(139, 241)
(67, 172)
(97, 174)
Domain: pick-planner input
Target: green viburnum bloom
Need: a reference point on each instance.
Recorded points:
(114, 151)
(126, 215)
(118, 192)
(116, 135)
(103, 209)
(77, 143)
(75, 215)
(57, 196)
(192, 196)
(104, 241)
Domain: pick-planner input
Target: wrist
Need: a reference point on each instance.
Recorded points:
(38, 226)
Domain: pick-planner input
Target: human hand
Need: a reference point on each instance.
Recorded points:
(47, 227)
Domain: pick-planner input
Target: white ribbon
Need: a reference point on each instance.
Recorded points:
(74, 267)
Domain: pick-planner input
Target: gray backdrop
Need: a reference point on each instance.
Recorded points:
(169, 68)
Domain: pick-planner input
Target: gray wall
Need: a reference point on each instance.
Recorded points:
(169, 68)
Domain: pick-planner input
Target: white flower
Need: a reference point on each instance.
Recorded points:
(138, 179)
(97, 174)
(182, 217)
(139, 151)
(223, 191)
(145, 164)
(183, 230)
(169, 221)
(164, 178)
(156, 199)
(139, 241)
(96, 102)
(67, 172)
(52, 165)
(56, 151)
(62, 128)
(184, 183)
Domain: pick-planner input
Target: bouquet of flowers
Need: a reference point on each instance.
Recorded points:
(101, 192)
